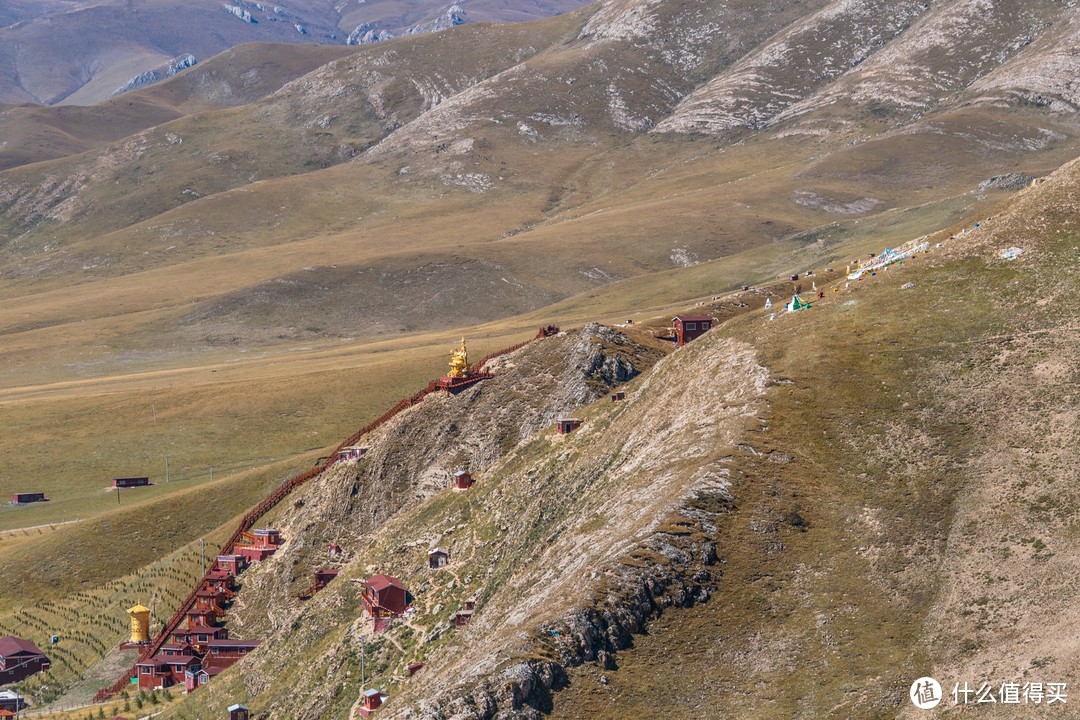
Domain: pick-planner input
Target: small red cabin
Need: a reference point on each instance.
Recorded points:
(617, 396)
(324, 577)
(238, 712)
(689, 327)
(130, 482)
(26, 498)
(566, 426)
(437, 558)
(463, 480)
(462, 618)
(373, 700)
(384, 596)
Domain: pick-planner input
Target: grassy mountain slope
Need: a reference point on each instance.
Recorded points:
(938, 515)
(842, 484)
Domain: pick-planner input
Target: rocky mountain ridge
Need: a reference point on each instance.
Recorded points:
(81, 53)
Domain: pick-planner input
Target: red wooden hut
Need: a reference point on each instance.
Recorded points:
(373, 700)
(154, 673)
(463, 480)
(324, 576)
(565, 426)
(688, 327)
(384, 596)
(437, 558)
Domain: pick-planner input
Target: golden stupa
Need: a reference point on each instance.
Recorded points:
(459, 362)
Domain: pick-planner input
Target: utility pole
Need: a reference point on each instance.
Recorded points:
(117, 496)
(166, 467)
(363, 679)
(202, 547)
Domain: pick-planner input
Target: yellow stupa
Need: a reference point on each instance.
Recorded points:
(459, 362)
(140, 623)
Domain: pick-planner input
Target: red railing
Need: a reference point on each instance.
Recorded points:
(268, 503)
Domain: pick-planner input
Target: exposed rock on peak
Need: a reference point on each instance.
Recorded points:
(151, 76)
(366, 33)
